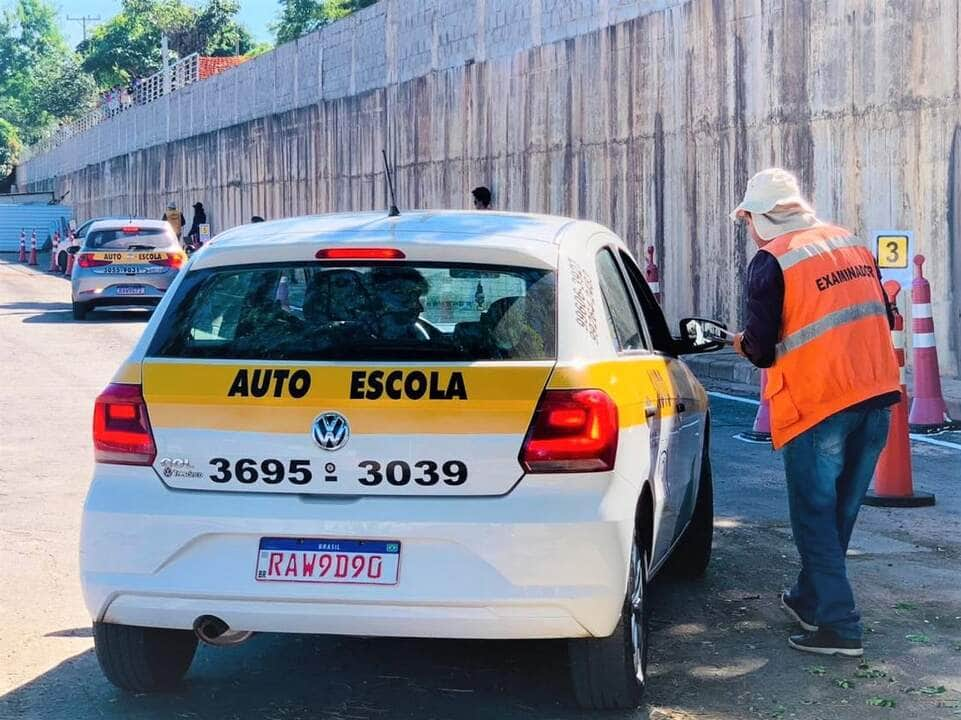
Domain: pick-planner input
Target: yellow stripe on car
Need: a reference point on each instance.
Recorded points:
(379, 399)
(130, 258)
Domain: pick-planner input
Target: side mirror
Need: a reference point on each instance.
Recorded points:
(73, 249)
(699, 335)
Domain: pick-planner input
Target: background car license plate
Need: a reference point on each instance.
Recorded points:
(361, 562)
(131, 290)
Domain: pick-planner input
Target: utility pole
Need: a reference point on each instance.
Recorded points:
(83, 19)
(165, 59)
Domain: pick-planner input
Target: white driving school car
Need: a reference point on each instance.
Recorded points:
(443, 424)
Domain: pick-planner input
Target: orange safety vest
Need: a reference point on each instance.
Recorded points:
(835, 349)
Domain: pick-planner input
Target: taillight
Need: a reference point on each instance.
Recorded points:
(171, 260)
(87, 260)
(121, 429)
(572, 431)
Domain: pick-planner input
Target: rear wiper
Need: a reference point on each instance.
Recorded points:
(141, 247)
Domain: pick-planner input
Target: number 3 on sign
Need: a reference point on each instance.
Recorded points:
(892, 251)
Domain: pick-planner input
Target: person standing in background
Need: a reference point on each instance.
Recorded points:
(482, 198)
(200, 218)
(175, 218)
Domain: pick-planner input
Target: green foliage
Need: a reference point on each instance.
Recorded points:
(40, 79)
(299, 17)
(128, 45)
(9, 147)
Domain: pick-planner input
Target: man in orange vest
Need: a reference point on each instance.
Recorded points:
(817, 318)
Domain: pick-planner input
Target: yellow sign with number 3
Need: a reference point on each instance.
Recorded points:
(892, 251)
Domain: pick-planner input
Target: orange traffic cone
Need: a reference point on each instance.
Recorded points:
(928, 410)
(70, 261)
(22, 256)
(761, 432)
(893, 486)
(33, 249)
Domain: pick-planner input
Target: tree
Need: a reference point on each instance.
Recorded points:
(9, 147)
(128, 45)
(299, 17)
(40, 79)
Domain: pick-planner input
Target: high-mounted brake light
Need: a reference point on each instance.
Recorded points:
(572, 431)
(87, 260)
(171, 260)
(359, 254)
(130, 229)
(121, 428)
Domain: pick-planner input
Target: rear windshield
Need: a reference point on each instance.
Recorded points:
(387, 311)
(141, 239)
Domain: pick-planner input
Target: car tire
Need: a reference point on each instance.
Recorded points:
(692, 554)
(142, 659)
(80, 310)
(62, 261)
(609, 673)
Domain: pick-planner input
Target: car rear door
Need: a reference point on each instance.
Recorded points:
(291, 379)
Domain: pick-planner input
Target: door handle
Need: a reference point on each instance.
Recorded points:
(681, 407)
(650, 412)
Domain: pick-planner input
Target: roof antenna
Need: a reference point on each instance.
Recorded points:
(393, 212)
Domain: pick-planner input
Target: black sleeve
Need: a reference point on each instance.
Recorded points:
(763, 309)
(891, 308)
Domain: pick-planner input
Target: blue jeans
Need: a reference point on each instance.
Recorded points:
(829, 469)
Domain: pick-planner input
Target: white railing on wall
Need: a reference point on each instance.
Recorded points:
(182, 73)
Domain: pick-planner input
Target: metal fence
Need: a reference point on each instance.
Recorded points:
(145, 90)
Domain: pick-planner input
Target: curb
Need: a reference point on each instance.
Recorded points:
(726, 366)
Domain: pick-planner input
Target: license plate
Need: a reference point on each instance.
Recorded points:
(131, 290)
(319, 560)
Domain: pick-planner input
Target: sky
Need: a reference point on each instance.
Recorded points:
(255, 14)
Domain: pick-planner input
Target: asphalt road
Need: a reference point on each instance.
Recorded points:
(719, 646)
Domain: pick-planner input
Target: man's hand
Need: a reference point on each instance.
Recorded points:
(738, 339)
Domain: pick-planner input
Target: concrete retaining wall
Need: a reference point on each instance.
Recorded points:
(646, 116)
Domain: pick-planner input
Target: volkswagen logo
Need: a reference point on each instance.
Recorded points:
(331, 431)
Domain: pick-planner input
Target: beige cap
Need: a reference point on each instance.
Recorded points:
(769, 189)
(774, 200)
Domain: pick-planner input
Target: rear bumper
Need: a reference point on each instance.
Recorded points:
(135, 300)
(105, 289)
(548, 560)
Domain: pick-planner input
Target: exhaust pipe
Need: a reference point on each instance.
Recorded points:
(214, 631)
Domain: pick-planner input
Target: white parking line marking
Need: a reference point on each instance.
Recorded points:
(933, 441)
(735, 398)
(916, 438)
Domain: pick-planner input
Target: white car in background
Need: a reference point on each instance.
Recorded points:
(443, 424)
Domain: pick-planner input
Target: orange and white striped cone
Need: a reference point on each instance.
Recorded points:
(33, 249)
(893, 484)
(22, 255)
(54, 249)
(652, 274)
(760, 433)
(929, 413)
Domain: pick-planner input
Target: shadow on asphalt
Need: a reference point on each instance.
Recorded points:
(296, 676)
(56, 313)
(72, 632)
